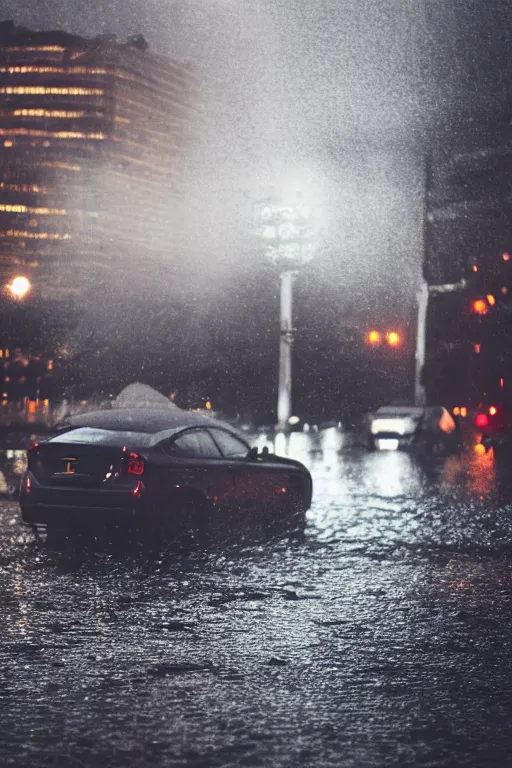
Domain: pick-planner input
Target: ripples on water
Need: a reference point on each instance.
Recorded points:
(372, 641)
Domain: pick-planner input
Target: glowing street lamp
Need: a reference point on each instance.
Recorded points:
(290, 244)
(19, 287)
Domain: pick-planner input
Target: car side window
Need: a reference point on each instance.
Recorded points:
(230, 445)
(194, 442)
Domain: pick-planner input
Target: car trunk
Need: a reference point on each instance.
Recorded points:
(77, 465)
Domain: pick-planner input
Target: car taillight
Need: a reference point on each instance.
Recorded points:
(135, 464)
(482, 420)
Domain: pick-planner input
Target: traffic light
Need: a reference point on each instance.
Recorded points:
(373, 337)
(393, 339)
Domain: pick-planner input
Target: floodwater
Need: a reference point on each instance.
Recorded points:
(381, 638)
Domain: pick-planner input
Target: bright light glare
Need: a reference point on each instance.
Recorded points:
(393, 339)
(19, 287)
(404, 426)
(373, 337)
(480, 307)
(387, 444)
(493, 410)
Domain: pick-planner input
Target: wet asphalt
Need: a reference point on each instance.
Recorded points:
(383, 637)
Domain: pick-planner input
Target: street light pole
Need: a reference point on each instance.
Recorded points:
(284, 398)
(290, 244)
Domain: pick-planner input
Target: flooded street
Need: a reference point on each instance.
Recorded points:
(382, 638)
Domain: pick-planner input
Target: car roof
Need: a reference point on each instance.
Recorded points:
(399, 410)
(145, 420)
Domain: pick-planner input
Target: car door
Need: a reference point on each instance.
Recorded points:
(256, 481)
(197, 463)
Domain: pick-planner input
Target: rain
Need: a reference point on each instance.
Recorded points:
(237, 530)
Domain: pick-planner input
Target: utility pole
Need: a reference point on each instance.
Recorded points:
(289, 239)
(284, 400)
(421, 331)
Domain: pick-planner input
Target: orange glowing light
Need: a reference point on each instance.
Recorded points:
(480, 307)
(502, 383)
(477, 348)
(493, 410)
(463, 412)
(374, 337)
(475, 268)
(479, 449)
(491, 300)
(393, 339)
(504, 291)
(19, 287)
(456, 411)
(506, 256)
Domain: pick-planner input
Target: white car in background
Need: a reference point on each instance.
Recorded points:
(395, 427)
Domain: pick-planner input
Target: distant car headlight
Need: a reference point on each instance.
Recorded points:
(401, 426)
(388, 444)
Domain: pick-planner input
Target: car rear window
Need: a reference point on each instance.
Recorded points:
(96, 436)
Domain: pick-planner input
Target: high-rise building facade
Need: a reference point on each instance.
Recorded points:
(92, 143)
(468, 241)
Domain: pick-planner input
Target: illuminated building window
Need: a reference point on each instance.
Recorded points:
(59, 113)
(86, 71)
(48, 211)
(24, 188)
(57, 164)
(13, 208)
(51, 134)
(41, 90)
(34, 48)
(8, 143)
(26, 70)
(34, 235)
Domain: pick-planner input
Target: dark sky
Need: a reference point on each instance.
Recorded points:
(337, 98)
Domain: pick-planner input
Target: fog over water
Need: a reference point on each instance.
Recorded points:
(337, 98)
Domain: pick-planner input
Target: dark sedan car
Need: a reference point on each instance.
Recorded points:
(155, 466)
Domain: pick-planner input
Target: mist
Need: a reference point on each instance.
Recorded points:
(338, 100)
